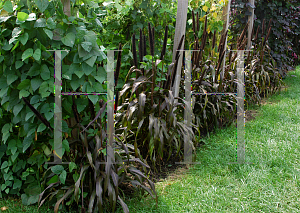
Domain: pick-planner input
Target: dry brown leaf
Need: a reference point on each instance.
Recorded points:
(4, 208)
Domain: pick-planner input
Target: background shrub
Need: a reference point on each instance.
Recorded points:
(285, 22)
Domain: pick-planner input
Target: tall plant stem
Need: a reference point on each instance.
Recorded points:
(153, 81)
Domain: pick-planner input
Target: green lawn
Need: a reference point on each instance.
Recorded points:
(12, 205)
(271, 184)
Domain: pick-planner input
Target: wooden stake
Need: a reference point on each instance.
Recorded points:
(250, 27)
(227, 10)
(180, 29)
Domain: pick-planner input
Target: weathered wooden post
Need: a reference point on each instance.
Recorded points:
(179, 32)
(251, 21)
(226, 12)
(67, 7)
(71, 121)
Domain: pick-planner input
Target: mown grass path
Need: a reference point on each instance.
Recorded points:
(271, 184)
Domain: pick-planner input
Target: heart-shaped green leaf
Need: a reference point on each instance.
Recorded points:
(11, 78)
(24, 38)
(94, 98)
(98, 87)
(72, 166)
(27, 142)
(14, 156)
(29, 115)
(79, 73)
(51, 24)
(24, 84)
(91, 61)
(34, 70)
(19, 64)
(17, 184)
(8, 7)
(49, 115)
(41, 127)
(49, 33)
(87, 69)
(12, 146)
(54, 179)
(64, 126)
(57, 169)
(44, 87)
(23, 93)
(4, 165)
(41, 22)
(75, 84)
(45, 72)
(87, 46)
(35, 83)
(22, 16)
(63, 176)
(27, 53)
(69, 40)
(42, 4)
(37, 54)
(18, 108)
(65, 145)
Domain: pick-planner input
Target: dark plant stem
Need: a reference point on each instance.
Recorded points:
(173, 73)
(220, 62)
(205, 25)
(179, 47)
(243, 34)
(196, 53)
(145, 46)
(163, 52)
(263, 29)
(256, 35)
(92, 110)
(198, 25)
(269, 23)
(153, 39)
(150, 39)
(141, 49)
(75, 112)
(134, 51)
(117, 100)
(118, 67)
(248, 58)
(176, 62)
(214, 40)
(269, 31)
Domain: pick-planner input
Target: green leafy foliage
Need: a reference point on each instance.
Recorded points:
(42, 4)
(27, 70)
(285, 20)
(22, 16)
(8, 7)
